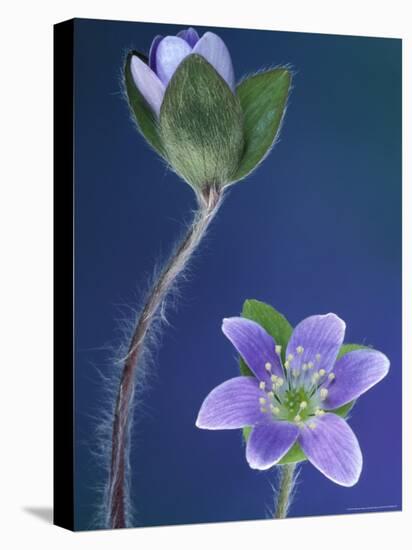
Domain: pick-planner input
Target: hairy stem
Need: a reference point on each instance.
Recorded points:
(287, 483)
(117, 491)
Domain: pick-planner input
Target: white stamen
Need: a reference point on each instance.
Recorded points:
(297, 418)
(303, 405)
(322, 372)
(299, 350)
(323, 393)
(290, 357)
(262, 385)
(332, 376)
(312, 425)
(268, 366)
(310, 365)
(278, 350)
(287, 365)
(319, 412)
(263, 410)
(273, 377)
(262, 400)
(318, 356)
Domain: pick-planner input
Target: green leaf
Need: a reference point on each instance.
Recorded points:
(143, 115)
(271, 320)
(263, 98)
(246, 432)
(201, 124)
(344, 410)
(346, 348)
(244, 369)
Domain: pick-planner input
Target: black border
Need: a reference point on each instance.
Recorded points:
(63, 486)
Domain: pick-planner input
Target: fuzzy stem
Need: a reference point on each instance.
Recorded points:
(287, 483)
(117, 491)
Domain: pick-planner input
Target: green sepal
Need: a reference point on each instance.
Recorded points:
(201, 125)
(295, 454)
(143, 115)
(263, 98)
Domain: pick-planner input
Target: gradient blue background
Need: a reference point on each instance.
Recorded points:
(317, 228)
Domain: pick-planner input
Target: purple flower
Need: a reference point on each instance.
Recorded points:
(293, 401)
(166, 54)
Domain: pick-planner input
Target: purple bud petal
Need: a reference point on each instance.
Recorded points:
(214, 50)
(170, 53)
(190, 35)
(153, 50)
(148, 84)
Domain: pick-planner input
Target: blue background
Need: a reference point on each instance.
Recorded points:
(316, 228)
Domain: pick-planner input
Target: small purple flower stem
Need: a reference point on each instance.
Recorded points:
(209, 200)
(288, 476)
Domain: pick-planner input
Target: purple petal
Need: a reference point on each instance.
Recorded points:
(233, 404)
(190, 35)
(214, 50)
(153, 51)
(332, 447)
(355, 373)
(255, 345)
(148, 83)
(321, 337)
(170, 53)
(268, 443)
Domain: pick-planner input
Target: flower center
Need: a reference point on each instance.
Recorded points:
(298, 396)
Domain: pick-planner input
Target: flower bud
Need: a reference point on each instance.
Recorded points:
(186, 105)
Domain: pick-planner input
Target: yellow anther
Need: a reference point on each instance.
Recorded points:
(287, 365)
(297, 418)
(322, 372)
(299, 350)
(312, 425)
(262, 385)
(268, 366)
(303, 405)
(278, 349)
(332, 376)
(262, 400)
(323, 393)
